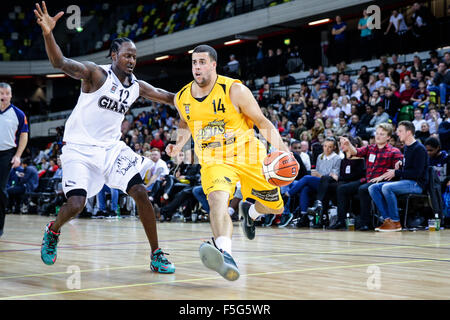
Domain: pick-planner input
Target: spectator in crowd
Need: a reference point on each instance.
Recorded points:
(158, 169)
(354, 126)
(287, 216)
(393, 75)
(444, 130)
(382, 80)
(365, 36)
(407, 93)
(400, 28)
(391, 103)
(381, 116)
(422, 20)
(441, 82)
(439, 160)
(340, 40)
(184, 196)
(365, 122)
(328, 164)
(352, 171)
(379, 157)
(412, 172)
(28, 182)
(364, 74)
(157, 142)
(103, 211)
(418, 119)
(375, 100)
(233, 68)
(424, 132)
(421, 97)
(434, 120)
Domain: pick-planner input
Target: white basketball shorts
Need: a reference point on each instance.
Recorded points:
(90, 167)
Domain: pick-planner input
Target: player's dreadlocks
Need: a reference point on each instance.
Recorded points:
(116, 43)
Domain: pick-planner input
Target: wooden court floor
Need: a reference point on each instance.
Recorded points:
(109, 259)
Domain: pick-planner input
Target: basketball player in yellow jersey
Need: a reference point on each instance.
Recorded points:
(219, 113)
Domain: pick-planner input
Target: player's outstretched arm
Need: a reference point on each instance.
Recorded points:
(148, 91)
(74, 69)
(243, 98)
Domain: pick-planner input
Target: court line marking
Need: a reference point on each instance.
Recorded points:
(214, 278)
(251, 257)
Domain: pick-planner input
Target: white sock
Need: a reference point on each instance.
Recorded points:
(223, 243)
(253, 213)
(230, 211)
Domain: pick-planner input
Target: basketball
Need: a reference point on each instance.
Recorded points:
(280, 168)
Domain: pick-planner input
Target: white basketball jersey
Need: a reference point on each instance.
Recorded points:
(96, 119)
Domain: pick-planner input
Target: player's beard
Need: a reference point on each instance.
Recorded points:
(204, 81)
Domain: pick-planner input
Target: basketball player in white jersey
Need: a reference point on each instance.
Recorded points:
(93, 154)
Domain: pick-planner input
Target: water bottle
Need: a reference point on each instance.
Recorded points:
(438, 221)
(118, 212)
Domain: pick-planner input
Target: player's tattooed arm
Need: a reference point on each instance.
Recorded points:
(148, 91)
(74, 69)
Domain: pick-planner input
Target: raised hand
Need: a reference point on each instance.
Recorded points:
(46, 22)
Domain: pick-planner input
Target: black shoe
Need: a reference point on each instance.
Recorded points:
(364, 228)
(302, 221)
(100, 215)
(235, 216)
(248, 226)
(339, 225)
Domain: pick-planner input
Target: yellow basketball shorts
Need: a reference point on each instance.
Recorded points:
(223, 177)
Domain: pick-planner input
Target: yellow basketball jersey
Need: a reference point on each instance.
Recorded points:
(220, 132)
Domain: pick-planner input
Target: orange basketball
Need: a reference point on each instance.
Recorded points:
(280, 168)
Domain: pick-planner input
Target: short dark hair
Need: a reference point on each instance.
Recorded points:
(409, 126)
(433, 142)
(116, 43)
(205, 48)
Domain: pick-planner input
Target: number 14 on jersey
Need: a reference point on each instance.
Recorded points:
(219, 107)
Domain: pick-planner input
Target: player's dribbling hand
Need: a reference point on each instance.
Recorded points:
(46, 22)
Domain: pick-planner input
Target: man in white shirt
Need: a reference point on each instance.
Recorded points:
(418, 119)
(333, 111)
(434, 120)
(383, 81)
(398, 21)
(304, 155)
(158, 170)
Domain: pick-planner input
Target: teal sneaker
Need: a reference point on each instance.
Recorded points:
(49, 243)
(160, 263)
(218, 260)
